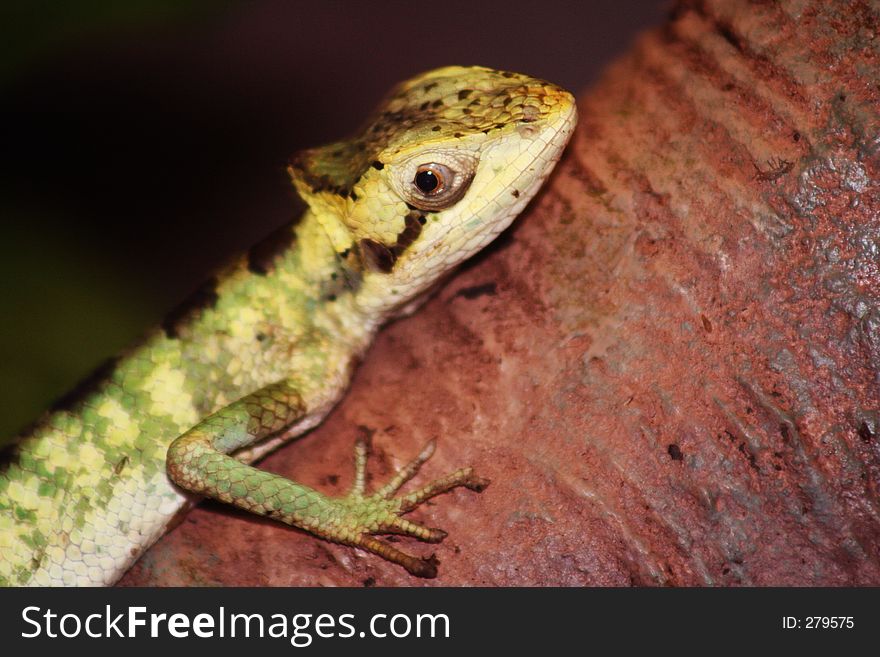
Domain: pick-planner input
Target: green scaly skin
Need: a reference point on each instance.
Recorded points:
(267, 347)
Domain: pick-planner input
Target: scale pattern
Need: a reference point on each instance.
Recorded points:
(264, 349)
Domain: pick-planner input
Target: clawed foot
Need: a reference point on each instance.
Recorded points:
(359, 517)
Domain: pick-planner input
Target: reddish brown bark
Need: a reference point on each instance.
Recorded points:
(674, 379)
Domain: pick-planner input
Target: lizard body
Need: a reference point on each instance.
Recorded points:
(266, 348)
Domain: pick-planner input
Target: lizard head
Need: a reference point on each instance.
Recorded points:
(441, 168)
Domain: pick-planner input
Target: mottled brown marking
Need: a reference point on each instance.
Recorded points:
(346, 279)
(464, 93)
(675, 452)
(310, 167)
(376, 256)
(530, 114)
(381, 257)
(203, 298)
(412, 230)
(262, 255)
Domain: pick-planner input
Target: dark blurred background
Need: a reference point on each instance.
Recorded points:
(144, 143)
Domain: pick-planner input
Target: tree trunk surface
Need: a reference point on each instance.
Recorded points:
(669, 366)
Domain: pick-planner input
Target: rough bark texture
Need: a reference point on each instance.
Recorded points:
(668, 368)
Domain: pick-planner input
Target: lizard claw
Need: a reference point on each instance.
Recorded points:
(362, 516)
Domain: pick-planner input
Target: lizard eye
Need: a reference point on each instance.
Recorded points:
(433, 185)
(431, 179)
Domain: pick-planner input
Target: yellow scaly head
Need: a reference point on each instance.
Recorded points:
(443, 166)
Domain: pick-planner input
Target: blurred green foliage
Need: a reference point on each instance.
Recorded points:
(66, 305)
(79, 310)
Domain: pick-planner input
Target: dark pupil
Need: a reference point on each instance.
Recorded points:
(427, 181)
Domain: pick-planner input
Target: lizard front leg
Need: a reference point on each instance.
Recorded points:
(198, 461)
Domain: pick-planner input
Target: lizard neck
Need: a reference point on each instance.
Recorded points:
(346, 288)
